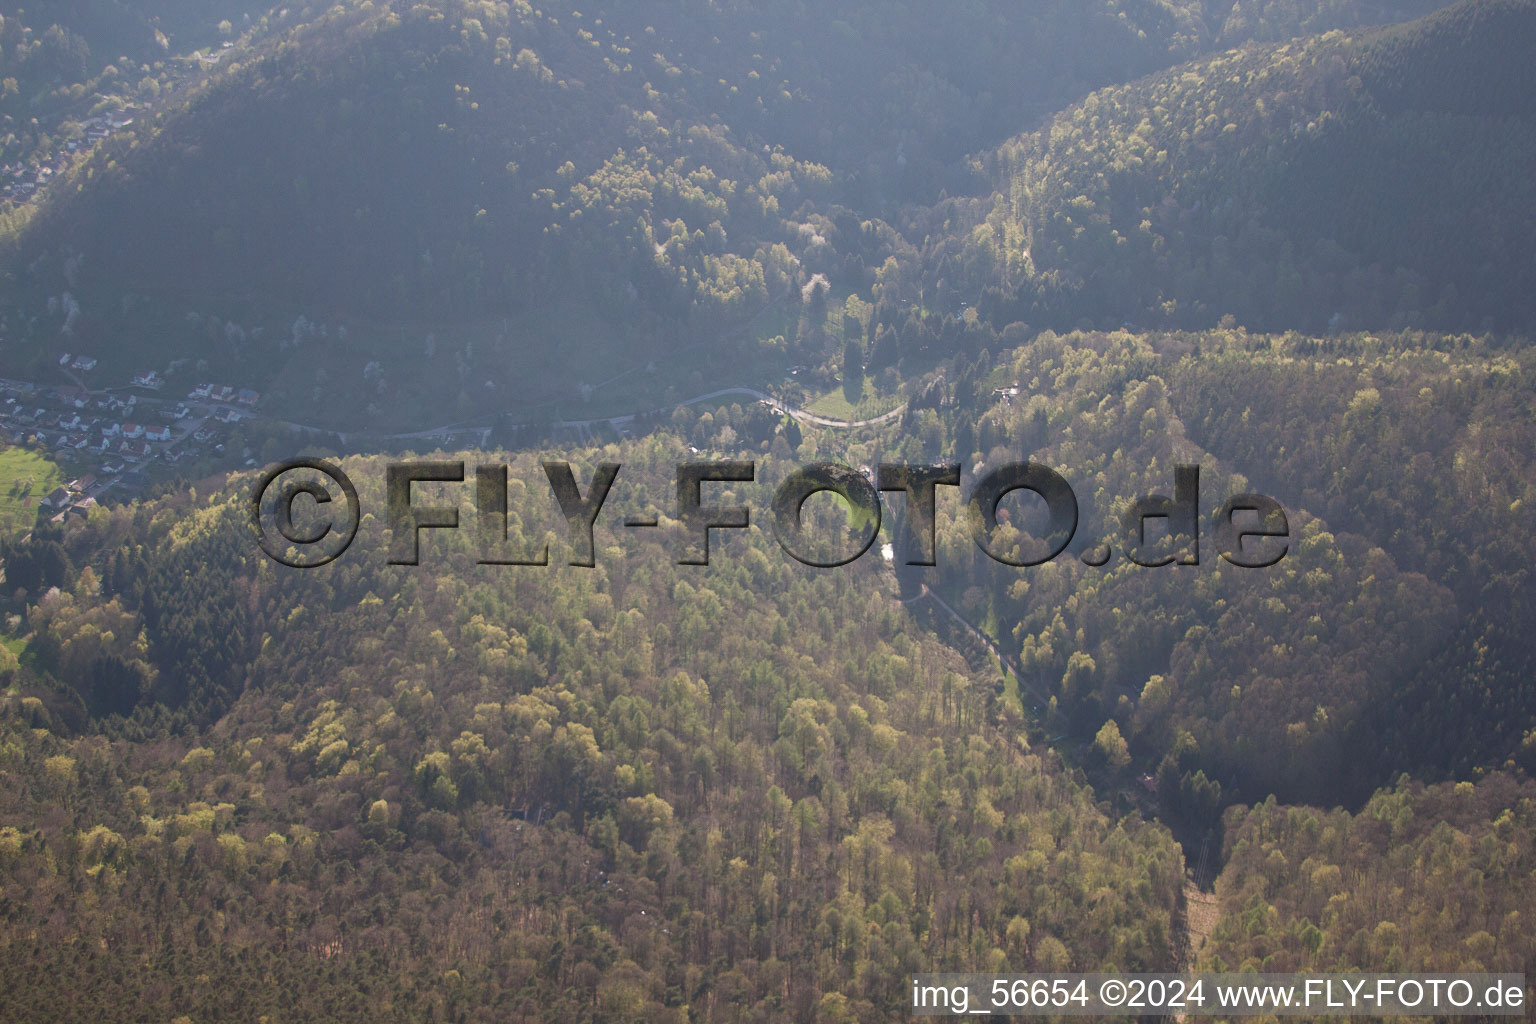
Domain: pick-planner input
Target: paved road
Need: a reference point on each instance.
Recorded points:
(476, 424)
(777, 406)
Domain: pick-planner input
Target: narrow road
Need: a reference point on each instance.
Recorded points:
(477, 423)
(780, 407)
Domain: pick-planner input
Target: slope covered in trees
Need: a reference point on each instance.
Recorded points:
(601, 171)
(1423, 878)
(1270, 184)
(1387, 640)
(758, 791)
(66, 60)
(1422, 444)
(451, 790)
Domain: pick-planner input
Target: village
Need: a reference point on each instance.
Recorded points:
(114, 437)
(27, 179)
(22, 181)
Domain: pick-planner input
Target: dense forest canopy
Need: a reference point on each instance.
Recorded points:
(624, 789)
(1422, 862)
(1269, 184)
(1288, 242)
(591, 171)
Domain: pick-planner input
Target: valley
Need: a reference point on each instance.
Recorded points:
(1288, 242)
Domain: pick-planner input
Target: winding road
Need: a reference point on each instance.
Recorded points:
(477, 423)
(780, 407)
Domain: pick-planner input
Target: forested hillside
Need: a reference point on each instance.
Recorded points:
(1388, 640)
(1423, 878)
(463, 792)
(1288, 242)
(592, 172)
(1422, 444)
(1271, 183)
(65, 60)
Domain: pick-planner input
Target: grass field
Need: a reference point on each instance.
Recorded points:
(25, 479)
(835, 404)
